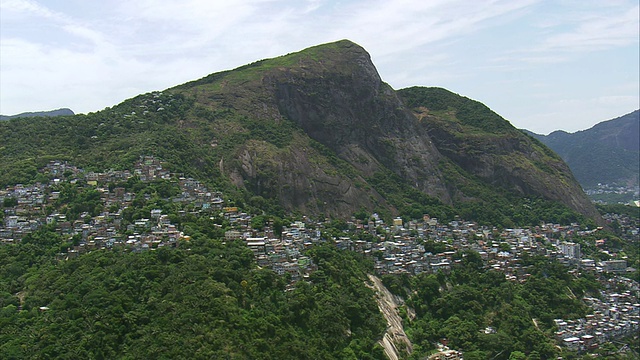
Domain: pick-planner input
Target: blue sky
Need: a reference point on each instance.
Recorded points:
(543, 65)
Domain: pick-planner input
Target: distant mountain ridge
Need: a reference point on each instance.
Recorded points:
(607, 153)
(50, 113)
(319, 133)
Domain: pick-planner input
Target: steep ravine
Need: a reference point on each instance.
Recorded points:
(395, 342)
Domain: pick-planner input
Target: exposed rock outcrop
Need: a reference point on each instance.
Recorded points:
(348, 126)
(395, 341)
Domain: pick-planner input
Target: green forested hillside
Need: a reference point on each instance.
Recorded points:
(112, 138)
(52, 113)
(607, 153)
(202, 300)
(482, 312)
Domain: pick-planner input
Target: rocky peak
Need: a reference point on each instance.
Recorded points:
(334, 96)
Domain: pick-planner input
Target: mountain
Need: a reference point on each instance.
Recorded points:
(607, 153)
(51, 113)
(318, 132)
(483, 144)
(334, 98)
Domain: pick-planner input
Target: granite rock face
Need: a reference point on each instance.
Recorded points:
(351, 126)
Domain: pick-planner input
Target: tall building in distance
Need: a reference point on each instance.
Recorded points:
(570, 250)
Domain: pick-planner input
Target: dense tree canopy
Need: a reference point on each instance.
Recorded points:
(204, 299)
(481, 312)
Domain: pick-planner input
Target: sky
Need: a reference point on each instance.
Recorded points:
(542, 65)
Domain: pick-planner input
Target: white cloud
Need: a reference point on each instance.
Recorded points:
(598, 32)
(65, 56)
(390, 27)
(29, 6)
(566, 34)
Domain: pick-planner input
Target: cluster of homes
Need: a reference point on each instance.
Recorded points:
(284, 254)
(630, 226)
(624, 193)
(26, 210)
(412, 247)
(616, 315)
(153, 102)
(404, 246)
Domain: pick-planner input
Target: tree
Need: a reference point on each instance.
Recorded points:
(259, 222)
(10, 202)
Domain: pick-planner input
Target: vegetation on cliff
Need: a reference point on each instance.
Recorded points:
(487, 159)
(607, 153)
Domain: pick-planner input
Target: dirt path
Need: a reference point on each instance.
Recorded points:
(395, 341)
(21, 296)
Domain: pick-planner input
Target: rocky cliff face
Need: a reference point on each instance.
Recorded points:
(334, 95)
(340, 125)
(301, 180)
(487, 146)
(344, 105)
